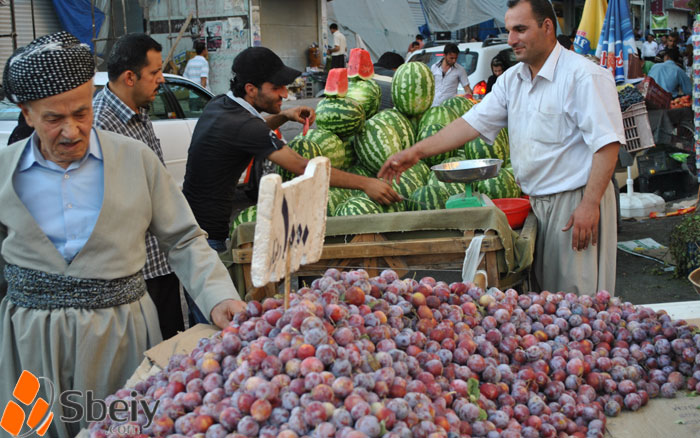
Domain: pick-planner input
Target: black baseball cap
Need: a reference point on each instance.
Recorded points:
(262, 64)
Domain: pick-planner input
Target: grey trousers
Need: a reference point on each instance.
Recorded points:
(557, 266)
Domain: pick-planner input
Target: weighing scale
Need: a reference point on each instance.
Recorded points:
(468, 171)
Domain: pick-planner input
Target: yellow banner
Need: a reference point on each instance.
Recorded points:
(591, 24)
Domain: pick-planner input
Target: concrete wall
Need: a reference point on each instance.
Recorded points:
(289, 27)
(678, 18)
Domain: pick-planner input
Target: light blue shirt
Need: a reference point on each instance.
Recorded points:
(670, 77)
(65, 203)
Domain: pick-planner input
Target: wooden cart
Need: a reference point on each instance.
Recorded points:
(408, 242)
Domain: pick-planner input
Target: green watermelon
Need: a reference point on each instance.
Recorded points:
(478, 149)
(331, 145)
(359, 169)
(304, 147)
(428, 198)
(415, 120)
(367, 93)
(246, 215)
(502, 142)
(336, 196)
(350, 157)
(358, 205)
(396, 207)
(502, 186)
(337, 82)
(377, 141)
(413, 88)
(402, 125)
(440, 115)
(450, 188)
(422, 172)
(429, 131)
(460, 154)
(340, 115)
(459, 104)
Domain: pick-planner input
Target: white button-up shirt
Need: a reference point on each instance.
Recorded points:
(446, 83)
(340, 41)
(649, 48)
(556, 121)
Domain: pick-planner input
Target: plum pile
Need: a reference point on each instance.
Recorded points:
(358, 357)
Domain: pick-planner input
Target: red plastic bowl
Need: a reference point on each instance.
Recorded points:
(516, 210)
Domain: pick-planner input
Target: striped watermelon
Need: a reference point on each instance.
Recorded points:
(246, 215)
(396, 207)
(408, 183)
(429, 131)
(422, 172)
(413, 88)
(459, 104)
(478, 149)
(359, 169)
(460, 154)
(340, 115)
(440, 115)
(304, 147)
(402, 125)
(336, 196)
(358, 205)
(502, 186)
(415, 120)
(367, 93)
(502, 142)
(331, 145)
(428, 198)
(450, 188)
(377, 141)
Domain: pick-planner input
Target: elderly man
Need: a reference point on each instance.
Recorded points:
(76, 205)
(565, 128)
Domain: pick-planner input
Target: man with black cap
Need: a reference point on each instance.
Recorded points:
(76, 205)
(231, 131)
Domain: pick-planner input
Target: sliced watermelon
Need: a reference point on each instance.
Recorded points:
(337, 82)
(360, 64)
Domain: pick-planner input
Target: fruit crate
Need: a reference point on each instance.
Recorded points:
(638, 134)
(654, 96)
(407, 242)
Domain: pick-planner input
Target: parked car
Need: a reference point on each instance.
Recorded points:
(474, 57)
(174, 114)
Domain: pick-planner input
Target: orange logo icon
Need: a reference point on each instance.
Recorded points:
(40, 417)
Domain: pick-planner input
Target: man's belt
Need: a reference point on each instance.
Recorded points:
(42, 290)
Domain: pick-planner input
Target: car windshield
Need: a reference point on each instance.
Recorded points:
(467, 60)
(8, 110)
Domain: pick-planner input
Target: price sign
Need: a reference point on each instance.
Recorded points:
(291, 222)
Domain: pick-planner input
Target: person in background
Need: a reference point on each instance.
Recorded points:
(663, 42)
(339, 49)
(412, 48)
(497, 69)
(649, 48)
(384, 70)
(197, 69)
(565, 41)
(134, 68)
(565, 129)
(672, 41)
(448, 75)
(670, 76)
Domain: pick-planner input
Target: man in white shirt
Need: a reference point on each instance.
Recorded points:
(565, 129)
(197, 68)
(339, 49)
(448, 74)
(649, 48)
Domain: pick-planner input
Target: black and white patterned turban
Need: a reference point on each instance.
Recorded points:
(49, 65)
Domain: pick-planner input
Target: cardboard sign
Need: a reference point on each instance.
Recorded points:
(291, 222)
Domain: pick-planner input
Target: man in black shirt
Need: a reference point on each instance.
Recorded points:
(231, 131)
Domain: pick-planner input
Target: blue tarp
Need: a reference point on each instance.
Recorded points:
(616, 40)
(76, 18)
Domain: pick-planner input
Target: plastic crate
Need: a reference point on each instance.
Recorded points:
(638, 133)
(654, 96)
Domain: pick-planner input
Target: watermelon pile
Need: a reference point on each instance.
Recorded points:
(357, 138)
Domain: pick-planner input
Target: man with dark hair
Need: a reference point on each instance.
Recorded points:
(232, 131)
(672, 41)
(649, 48)
(565, 129)
(197, 68)
(412, 48)
(669, 75)
(135, 70)
(565, 41)
(448, 75)
(339, 49)
(76, 205)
